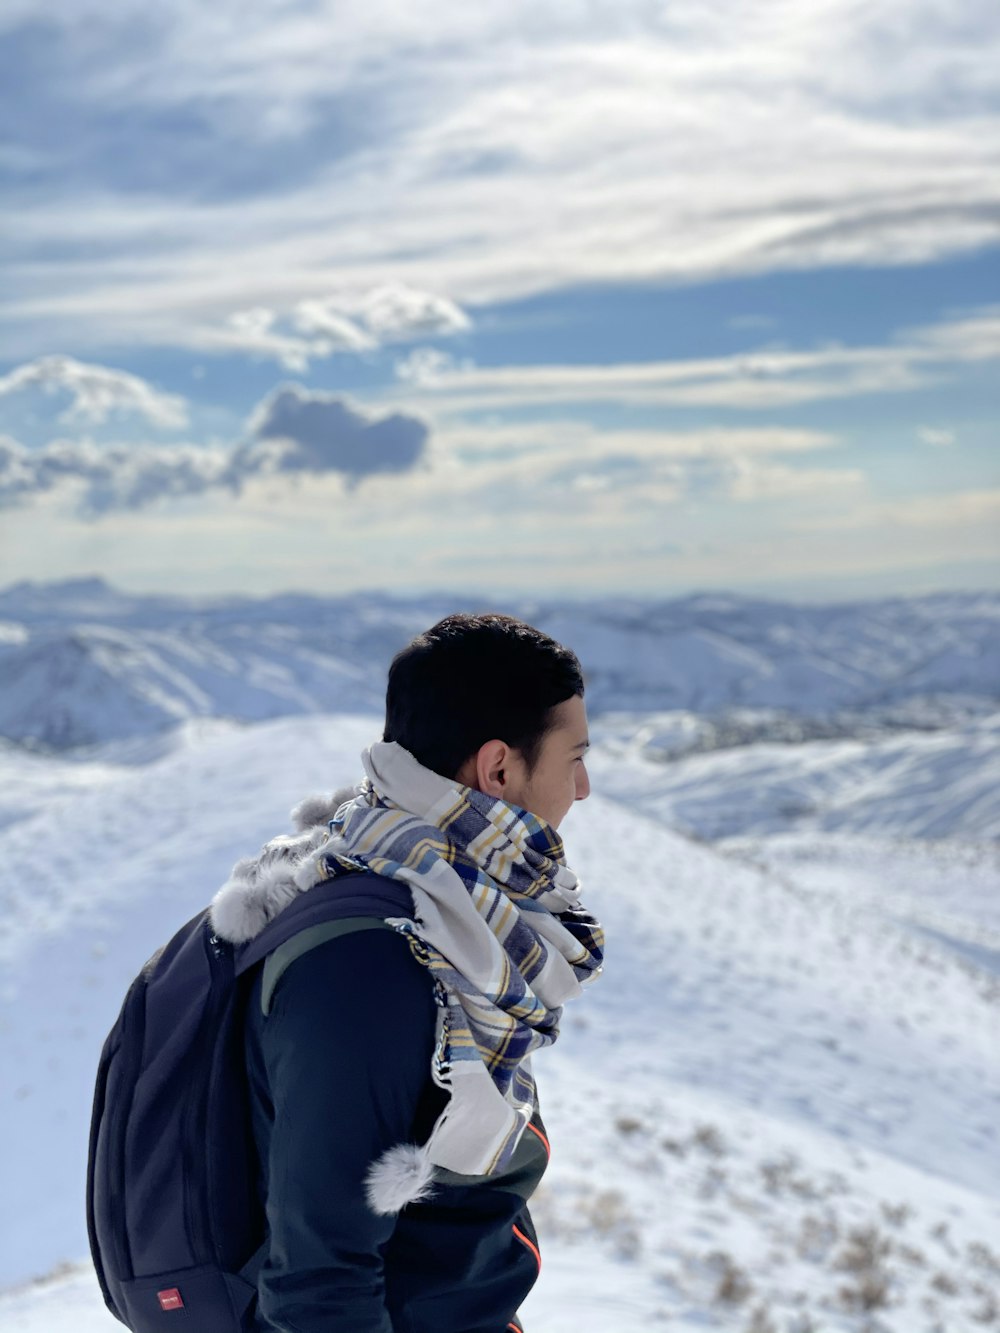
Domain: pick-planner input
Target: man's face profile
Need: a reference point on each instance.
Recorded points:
(559, 776)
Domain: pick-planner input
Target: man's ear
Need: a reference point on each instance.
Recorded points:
(491, 763)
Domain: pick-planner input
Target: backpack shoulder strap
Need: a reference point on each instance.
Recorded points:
(285, 954)
(341, 906)
(360, 894)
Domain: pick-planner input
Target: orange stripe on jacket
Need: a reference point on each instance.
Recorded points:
(533, 1248)
(548, 1150)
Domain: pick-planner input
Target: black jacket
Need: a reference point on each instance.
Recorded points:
(340, 1071)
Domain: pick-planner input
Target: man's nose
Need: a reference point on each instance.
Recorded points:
(582, 784)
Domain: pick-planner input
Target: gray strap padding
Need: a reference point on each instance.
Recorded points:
(286, 954)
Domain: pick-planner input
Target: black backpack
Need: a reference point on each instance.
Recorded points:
(173, 1216)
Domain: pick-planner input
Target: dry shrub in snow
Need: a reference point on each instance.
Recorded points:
(781, 1177)
(912, 1255)
(897, 1215)
(708, 1138)
(941, 1233)
(711, 1183)
(987, 1309)
(733, 1286)
(761, 1322)
(610, 1216)
(983, 1257)
(803, 1323)
(945, 1284)
(863, 1255)
(869, 1292)
(864, 1250)
(817, 1234)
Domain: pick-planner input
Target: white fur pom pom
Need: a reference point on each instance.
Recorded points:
(402, 1175)
(240, 911)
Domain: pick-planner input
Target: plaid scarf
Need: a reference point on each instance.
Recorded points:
(497, 922)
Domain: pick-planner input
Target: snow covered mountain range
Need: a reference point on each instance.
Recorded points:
(81, 664)
(778, 1110)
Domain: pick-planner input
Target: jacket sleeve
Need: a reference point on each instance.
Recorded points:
(347, 1048)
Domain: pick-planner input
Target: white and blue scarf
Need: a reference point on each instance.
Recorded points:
(498, 923)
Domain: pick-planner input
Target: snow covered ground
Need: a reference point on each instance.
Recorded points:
(775, 1113)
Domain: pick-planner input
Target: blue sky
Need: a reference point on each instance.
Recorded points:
(609, 297)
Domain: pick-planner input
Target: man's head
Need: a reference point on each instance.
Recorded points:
(496, 704)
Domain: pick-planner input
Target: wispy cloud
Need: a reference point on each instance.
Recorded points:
(752, 322)
(621, 475)
(566, 440)
(956, 510)
(334, 328)
(770, 378)
(937, 436)
(96, 392)
(506, 151)
(255, 333)
(425, 366)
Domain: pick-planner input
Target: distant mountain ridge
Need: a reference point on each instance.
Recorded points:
(82, 663)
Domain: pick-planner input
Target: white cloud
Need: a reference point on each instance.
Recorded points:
(253, 332)
(754, 479)
(970, 335)
(392, 312)
(96, 391)
(716, 476)
(959, 510)
(936, 436)
(425, 366)
(570, 441)
(395, 312)
(320, 327)
(340, 331)
(108, 477)
(638, 472)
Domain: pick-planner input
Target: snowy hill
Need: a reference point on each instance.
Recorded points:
(777, 1110)
(919, 783)
(777, 1113)
(81, 664)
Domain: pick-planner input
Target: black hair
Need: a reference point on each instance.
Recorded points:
(470, 679)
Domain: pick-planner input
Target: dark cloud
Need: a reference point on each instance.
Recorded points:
(323, 433)
(293, 431)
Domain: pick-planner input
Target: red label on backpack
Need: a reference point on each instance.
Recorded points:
(170, 1299)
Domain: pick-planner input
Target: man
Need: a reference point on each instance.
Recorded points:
(389, 1052)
